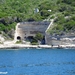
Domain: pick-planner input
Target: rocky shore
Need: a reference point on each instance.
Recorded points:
(17, 46)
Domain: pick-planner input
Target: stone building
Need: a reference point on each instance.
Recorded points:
(30, 29)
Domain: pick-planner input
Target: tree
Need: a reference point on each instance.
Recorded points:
(67, 1)
(39, 36)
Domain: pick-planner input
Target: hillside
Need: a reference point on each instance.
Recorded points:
(12, 11)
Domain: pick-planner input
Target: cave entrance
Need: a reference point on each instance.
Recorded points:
(18, 38)
(29, 38)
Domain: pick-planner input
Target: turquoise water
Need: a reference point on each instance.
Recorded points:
(37, 62)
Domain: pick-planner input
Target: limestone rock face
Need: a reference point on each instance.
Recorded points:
(11, 33)
(1, 39)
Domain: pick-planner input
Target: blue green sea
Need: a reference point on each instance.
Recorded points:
(37, 62)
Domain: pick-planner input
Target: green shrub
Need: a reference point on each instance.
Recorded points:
(34, 43)
(39, 36)
(18, 42)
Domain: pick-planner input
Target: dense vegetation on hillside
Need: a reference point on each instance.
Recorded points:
(13, 11)
(65, 18)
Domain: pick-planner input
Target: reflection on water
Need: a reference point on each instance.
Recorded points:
(37, 62)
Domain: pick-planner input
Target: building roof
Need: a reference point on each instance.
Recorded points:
(34, 26)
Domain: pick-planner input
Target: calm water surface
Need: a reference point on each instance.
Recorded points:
(37, 62)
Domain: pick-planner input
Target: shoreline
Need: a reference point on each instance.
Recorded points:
(18, 46)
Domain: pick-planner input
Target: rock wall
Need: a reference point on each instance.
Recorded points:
(60, 40)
